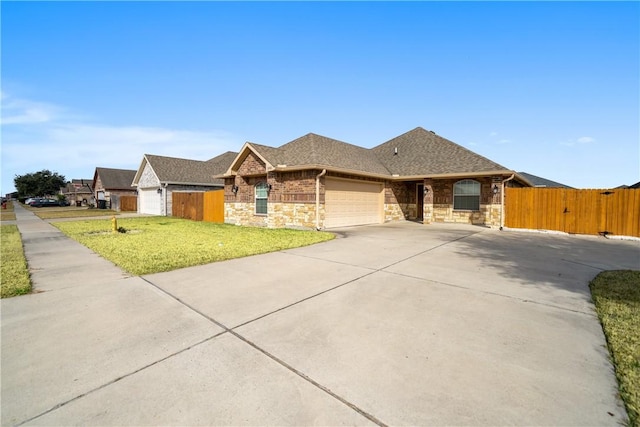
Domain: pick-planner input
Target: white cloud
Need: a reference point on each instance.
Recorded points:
(504, 141)
(21, 111)
(111, 146)
(35, 139)
(494, 133)
(581, 140)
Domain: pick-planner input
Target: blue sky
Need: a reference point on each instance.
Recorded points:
(549, 88)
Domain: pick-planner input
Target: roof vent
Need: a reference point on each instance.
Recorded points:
(395, 151)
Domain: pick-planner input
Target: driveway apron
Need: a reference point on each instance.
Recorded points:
(397, 324)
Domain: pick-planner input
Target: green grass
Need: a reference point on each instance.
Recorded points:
(14, 272)
(616, 295)
(156, 244)
(8, 214)
(70, 212)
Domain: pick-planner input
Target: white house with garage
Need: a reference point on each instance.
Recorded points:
(158, 177)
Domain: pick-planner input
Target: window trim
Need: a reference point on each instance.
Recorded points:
(467, 196)
(261, 185)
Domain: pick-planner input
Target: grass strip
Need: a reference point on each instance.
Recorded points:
(15, 278)
(156, 244)
(616, 295)
(67, 212)
(8, 214)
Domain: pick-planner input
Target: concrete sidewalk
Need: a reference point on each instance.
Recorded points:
(398, 324)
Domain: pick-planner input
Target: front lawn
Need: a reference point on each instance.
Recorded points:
(156, 244)
(616, 295)
(13, 270)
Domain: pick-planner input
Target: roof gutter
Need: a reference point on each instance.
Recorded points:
(324, 171)
(451, 175)
(502, 200)
(283, 168)
(203, 184)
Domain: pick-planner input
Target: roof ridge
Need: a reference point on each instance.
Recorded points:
(174, 158)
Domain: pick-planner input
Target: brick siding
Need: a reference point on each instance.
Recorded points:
(292, 199)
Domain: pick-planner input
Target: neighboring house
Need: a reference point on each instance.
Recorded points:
(110, 184)
(79, 192)
(319, 182)
(158, 177)
(632, 186)
(537, 181)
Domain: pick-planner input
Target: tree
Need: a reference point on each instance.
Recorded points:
(40, 183)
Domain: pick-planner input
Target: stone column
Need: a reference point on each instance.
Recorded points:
(427, 208)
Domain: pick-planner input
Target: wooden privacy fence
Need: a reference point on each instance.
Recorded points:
(128, 203)
(213, 206)
(199, 206)
(615, 211)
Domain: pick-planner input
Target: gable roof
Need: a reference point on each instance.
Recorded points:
(174, 170)
(82, 186)
(313, 149)
(537, 181)
(414, 154)
(81, 181)
(114, 179)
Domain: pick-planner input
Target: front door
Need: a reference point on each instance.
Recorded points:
(420, 202)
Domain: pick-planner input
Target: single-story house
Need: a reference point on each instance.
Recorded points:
(158, 177)
(79, 191)
(110, 184)
(319, 182)
(537, 181)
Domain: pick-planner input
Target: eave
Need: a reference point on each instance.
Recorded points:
(387, 177)
(242, 155)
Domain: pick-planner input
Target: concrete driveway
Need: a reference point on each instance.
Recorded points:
(398, 324)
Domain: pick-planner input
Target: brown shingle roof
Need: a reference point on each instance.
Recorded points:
(116, 179)
(541, 182)
(272, 155)
(421, 152)
(222, 162)
(184, 171)
(313, 149)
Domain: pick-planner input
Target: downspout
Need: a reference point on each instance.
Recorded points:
(324, 171)
(502, 200)
(166, 204)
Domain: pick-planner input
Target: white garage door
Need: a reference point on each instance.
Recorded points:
(352, 203)
(150, 201)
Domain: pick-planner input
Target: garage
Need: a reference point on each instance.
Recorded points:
(349, 202)
(150, 201)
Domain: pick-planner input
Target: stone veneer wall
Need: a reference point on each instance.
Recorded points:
(240, 213)
(400, 201)
(293, 215)
(291, 202)
(438, 205)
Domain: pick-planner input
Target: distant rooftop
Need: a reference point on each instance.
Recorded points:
(542, 182)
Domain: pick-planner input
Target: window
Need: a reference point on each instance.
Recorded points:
(262, 192)
(466, 195)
